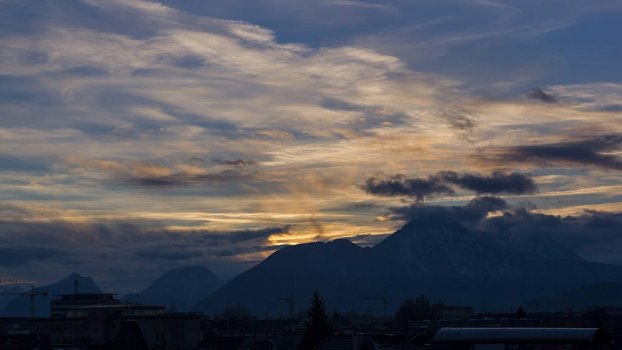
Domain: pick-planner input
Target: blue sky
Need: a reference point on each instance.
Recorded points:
(213, 132)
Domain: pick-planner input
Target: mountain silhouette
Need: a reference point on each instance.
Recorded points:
(440, 258)
(582, 298)
(8, 292)
(20, 305)
(293, 272)
(182, 287)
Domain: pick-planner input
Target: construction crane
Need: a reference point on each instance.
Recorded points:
(4, 281)
(32, 293)
(290, 301)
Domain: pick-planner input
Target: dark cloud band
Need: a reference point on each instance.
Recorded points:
(440, 184)
(594, 235)
(592, 152)
(142, 239)
(539, 95)
(399, 185)
(496, 183)
(476, 210)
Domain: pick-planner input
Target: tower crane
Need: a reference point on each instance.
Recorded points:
(5, 281)
(290, 301)
(32, 293)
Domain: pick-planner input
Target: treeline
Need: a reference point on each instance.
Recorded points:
(418, 309)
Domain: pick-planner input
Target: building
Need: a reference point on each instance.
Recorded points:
(348, 342)
(455, 312)
(60, 308)
(493, 338)
(174, 331)
(84, 305)
(16, 336)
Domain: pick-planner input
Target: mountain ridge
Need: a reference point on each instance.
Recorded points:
(181, 287)
(443, 259)
(20, 305)
(579, 299)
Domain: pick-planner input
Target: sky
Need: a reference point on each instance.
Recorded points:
(138, 136)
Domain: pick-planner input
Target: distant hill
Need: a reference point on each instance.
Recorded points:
(183, 287)
(294, 272)
(7, 292)
(20, 306)
(439, 258)
(583, 298)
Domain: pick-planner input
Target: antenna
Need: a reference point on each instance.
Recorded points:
(32, 301)
(290, 301)
(76, 282)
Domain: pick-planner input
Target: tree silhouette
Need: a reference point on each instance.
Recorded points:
(405, 313)
(520, 313)
(413, 310)
(436, 312)
(423, 311)
(172, 308)
(317, 324)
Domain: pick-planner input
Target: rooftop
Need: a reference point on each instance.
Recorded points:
(494, 335)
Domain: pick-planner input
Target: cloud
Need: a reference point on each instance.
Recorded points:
(137, 246)
(24, 253)
(592, 152)
(594, 235)
(603, 96)
(459, 121)
(133, 234)
(367, 116)
(496, 183)
(153, 86)
(400, 185)
(129, 110)
(192, 172)
(366, 240)
(251, 235)
(439, 184)
(539, 95)
(474, 211)
(168, 252)
(12, 163)
(184, 179)
(235, 162)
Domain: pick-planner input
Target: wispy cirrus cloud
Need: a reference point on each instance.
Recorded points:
(130, 110)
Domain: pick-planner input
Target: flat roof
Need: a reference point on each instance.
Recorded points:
(499, 335)
(114, 306)
(84, 295)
